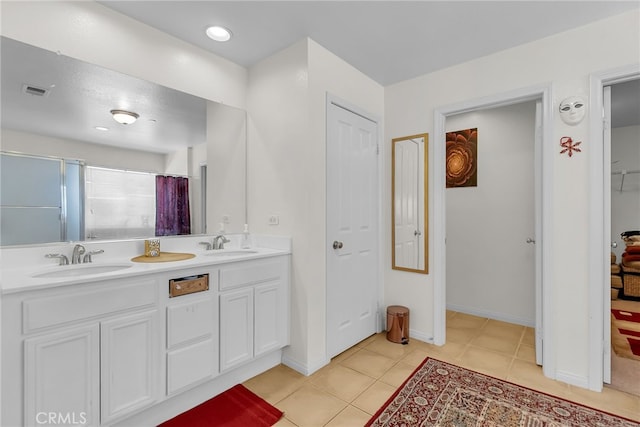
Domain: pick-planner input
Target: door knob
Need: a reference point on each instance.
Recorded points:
(614, 244)
(337, 245)
(530, 240)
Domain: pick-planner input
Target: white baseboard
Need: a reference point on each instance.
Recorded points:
(420, 336)
(304, 368)
(492, 315)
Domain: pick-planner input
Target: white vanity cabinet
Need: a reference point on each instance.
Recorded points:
(254, 309)
(90, 353)
(141, 348)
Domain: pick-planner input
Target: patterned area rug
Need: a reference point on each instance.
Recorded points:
(625, 330)
(441, 394)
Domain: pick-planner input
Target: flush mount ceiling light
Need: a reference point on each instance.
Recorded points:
(218, 33)
(124, 117)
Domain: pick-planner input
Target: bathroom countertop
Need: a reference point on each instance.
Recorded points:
(16, 277)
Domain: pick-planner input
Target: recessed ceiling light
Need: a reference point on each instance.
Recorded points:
(124, 117)
(101, 128)
(219, 34)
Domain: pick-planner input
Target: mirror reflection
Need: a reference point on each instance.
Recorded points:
(70, 172)
(409, 197)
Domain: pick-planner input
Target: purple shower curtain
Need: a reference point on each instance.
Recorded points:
(172, 206)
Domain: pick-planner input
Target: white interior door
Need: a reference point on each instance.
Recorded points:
(606, 157)
(538, 230)
(352, 228)
(407, 213)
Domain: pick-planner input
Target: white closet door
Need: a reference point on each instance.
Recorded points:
(352, 228)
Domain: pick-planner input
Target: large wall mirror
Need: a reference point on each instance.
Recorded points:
(56, 117)
(409, 197)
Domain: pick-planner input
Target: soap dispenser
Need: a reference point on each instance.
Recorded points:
(246, 238)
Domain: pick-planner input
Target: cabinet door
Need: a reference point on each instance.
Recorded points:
(129, 373)
(236, 327)
(62, 373)
(270, 317)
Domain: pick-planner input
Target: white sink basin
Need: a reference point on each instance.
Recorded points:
(79, 270)
(230, 252)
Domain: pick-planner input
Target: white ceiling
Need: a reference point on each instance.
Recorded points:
(390, 41)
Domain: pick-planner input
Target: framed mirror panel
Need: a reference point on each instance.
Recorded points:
(409, 232)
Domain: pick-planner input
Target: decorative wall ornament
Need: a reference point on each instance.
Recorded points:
(462, 158)
(572, 110)
(569, 146)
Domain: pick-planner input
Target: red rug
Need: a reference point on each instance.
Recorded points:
(236, 407)
(441, 394)
(635, 346)
(629, 316)
(629, 332)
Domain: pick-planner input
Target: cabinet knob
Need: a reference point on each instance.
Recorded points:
(337, 245)
(178, 287)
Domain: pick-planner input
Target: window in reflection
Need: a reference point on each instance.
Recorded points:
(119, 204)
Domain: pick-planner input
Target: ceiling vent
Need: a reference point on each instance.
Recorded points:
(35, 90)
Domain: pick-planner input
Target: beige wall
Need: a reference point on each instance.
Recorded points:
(566, 61)
(625, 195)
(287, 172)
(92, 154)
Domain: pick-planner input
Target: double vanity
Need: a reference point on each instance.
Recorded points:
(120, 342)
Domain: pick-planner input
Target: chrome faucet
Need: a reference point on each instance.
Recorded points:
(87, 256)
(219, 241)
(63, 258)
(76, 256)
(207, 245)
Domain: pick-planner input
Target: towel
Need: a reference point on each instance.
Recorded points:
(630, 265)
(627, 257)
(633, 249)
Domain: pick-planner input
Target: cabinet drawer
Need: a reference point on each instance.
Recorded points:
(73, 306)
(189, 320)
(189, 365)
(188, 285)
(250, 273)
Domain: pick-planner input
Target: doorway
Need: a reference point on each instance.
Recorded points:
(600, 223)
(622, 196)
(543, 236)
(353, 212)
(491, 223)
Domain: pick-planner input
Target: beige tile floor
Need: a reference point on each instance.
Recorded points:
(356, 383)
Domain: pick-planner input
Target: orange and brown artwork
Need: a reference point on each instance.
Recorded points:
(462, 158)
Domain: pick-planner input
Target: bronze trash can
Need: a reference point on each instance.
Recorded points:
(398, 324)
